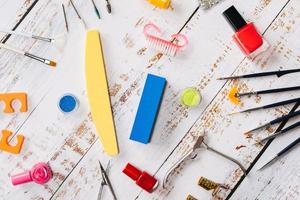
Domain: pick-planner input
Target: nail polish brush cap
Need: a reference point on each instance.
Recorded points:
(234, 18)
(132, 172)
(142, 179)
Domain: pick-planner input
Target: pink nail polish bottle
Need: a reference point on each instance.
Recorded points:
(40, 173)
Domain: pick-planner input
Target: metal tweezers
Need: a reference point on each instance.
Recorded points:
(192, 154)
(105, 181)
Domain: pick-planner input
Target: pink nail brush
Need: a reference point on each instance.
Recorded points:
(177, 43)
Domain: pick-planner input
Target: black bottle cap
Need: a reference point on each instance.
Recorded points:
(234, 18)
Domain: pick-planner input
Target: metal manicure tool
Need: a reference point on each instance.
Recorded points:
(192, 154)
(105, 181)
(206, 4)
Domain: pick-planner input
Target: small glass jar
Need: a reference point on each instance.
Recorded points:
(68, 103)
(190, 97)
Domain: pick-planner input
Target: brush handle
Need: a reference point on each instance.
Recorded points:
(281, 103)
(277, 73)
(260, 74)
(281, 132)
(12, 49)
(268, 91)
(26, 35)
(295, 125)
(285, 117)
(284, 72)
(289, 147)
(15, 33)
(278, 90)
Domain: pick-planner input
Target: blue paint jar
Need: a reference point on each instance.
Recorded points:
(68, 103)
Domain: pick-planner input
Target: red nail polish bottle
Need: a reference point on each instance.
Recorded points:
(142, 179)
(246, 36)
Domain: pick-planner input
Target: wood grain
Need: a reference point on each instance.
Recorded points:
(69, 142)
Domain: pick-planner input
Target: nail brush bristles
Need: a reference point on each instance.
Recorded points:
(178, 41)
(163, 46)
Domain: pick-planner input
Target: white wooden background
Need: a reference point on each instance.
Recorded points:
(69, 142)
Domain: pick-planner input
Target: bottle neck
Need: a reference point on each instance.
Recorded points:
(21, 178)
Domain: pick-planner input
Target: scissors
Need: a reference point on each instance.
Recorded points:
(105, 181)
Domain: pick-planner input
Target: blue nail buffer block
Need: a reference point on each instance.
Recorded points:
(148, 108)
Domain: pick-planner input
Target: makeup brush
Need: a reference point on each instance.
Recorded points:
(267, 91)
(43, 60)
(234, 96)
(295, 125)
(282, 152)
(281, 103)
(272, 73)
(58, 41)
(278, 120)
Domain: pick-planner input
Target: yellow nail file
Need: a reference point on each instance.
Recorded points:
(98, 94)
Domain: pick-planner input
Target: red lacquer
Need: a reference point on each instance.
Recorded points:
(142, 179)
(246, 36)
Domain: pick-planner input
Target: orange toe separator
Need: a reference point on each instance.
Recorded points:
(8, 98)
(4, 143)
